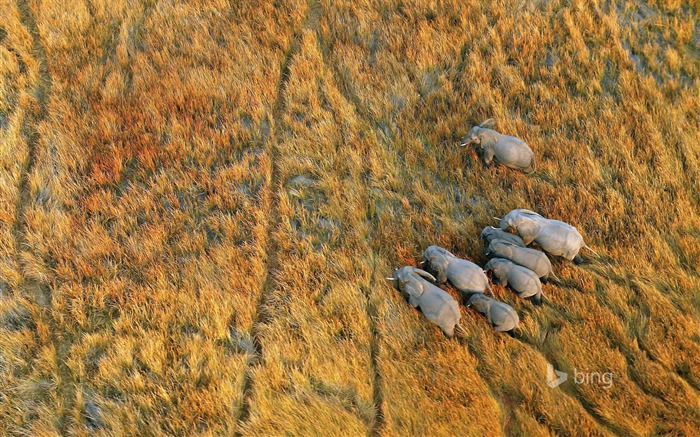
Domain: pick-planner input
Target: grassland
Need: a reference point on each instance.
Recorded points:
(199, 203)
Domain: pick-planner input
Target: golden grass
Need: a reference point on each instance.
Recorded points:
(27, 364)
(200, 202)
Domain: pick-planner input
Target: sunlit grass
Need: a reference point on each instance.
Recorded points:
(211, 174)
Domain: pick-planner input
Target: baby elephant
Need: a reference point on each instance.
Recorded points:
(500, 315)
(490, 233)
(509, 151)
(521, 279)
(437, 305)
(530, 258)
(466, 276)
(553, 236)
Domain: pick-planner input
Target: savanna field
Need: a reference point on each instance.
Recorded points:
(200, 202)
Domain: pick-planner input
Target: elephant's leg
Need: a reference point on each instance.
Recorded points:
(488, 156)
(537, 299)
(449, 331)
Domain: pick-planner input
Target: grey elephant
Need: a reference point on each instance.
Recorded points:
(466, 276)
(509, 151)
(500, 315)
(491, 233)
(530, 258)
(521, 279)
(437, 305)
(553, 236)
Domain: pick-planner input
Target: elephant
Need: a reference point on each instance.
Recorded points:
(437, 304)
(466, 276)
(526, 257)
(499, 314)
(553, 236)
(521, 279)
(509, 151)
(491, 233)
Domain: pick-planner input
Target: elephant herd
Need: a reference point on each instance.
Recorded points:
(511, 263)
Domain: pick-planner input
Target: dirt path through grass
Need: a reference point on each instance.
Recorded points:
(262, 312)
(32, 286)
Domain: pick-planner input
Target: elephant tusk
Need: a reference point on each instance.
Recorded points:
(497, 219)
(391, 279)
(463, 145)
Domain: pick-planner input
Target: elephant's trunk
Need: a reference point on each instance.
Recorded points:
(425, 274)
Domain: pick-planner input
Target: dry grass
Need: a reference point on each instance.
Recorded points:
(200, 202)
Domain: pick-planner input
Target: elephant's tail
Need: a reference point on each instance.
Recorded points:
(460, 332)
(490, 289)
(594, 252)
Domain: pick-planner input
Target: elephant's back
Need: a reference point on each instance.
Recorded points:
(524, 281)
(507, 237)
(437, 304)
(565, 228)
(448, 314)
(513, 152)
(467, 276)
(504, 317)
(559, 238)
(533, 260)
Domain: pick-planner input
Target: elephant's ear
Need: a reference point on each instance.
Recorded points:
(528, 231)
(488, 124)
(491, 248)
(487, 139)
(440, 267)
(415, 290)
